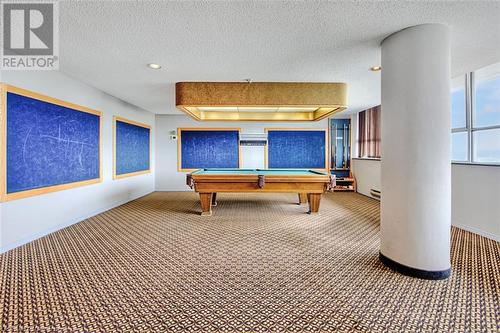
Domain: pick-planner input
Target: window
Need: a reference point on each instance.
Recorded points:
(487, 97)
(459, 146)
(475, 116)
(369, 133)
(458, 114)
(487, 145)
(460, 134)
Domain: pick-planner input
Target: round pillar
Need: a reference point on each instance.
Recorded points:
(415, 146)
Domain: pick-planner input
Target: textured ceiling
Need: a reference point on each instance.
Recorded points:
(108, 44)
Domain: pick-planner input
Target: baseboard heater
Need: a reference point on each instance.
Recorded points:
(375, 193)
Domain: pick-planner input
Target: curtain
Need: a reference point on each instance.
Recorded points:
(369, 133)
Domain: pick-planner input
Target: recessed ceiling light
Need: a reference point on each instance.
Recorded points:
(375, 68)
(154, 66)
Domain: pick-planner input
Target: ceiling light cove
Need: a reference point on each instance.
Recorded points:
(154, 66)
(260, 101)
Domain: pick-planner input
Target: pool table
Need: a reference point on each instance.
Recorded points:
(309, 184)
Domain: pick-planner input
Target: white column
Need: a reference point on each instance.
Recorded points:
(416, 167)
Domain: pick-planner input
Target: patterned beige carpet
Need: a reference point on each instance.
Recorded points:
(259, 264)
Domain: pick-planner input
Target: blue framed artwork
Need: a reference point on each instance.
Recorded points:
(132, 148)
(47, 144)
(296, 148)
(200, 148)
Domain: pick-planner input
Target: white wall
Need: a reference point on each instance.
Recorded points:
(167, 177)
(253, 157)
(27, 219)
(366, 171)
(367, 174)
(475, 199)
(475, 194)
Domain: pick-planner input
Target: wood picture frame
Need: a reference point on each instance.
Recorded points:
(179, 143)
(4, 195)
(327, 138)
(139, 124)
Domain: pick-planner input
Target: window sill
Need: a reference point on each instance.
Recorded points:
(477, 164)
(367, 158)
(456, 163)
(453, 163)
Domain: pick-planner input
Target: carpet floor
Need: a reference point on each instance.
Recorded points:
(258, 264)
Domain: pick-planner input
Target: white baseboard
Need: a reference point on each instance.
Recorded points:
(173, 190)
(477, 231)
(70, 222)
(368, 196)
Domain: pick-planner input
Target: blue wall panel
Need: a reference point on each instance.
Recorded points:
(48, 144)
(209, 149)
(296, 149)
(132, 148)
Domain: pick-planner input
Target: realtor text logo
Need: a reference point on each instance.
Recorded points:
(30, 36)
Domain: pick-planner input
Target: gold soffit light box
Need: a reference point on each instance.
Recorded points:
(260, 101)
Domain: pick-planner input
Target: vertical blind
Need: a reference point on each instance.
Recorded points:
(369, 132)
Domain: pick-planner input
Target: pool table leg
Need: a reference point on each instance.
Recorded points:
(302, 198)
(214, 199)
(314, 200)
(206, 204)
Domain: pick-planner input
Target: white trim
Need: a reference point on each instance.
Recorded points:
(475, 164)
(477, 231)
(27, 240)
(173, 190)
(470, 111)
(368, 196)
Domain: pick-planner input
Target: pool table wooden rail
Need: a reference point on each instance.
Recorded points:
(309, 188)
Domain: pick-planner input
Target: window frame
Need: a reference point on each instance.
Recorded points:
(468, 120)
(470, 129)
